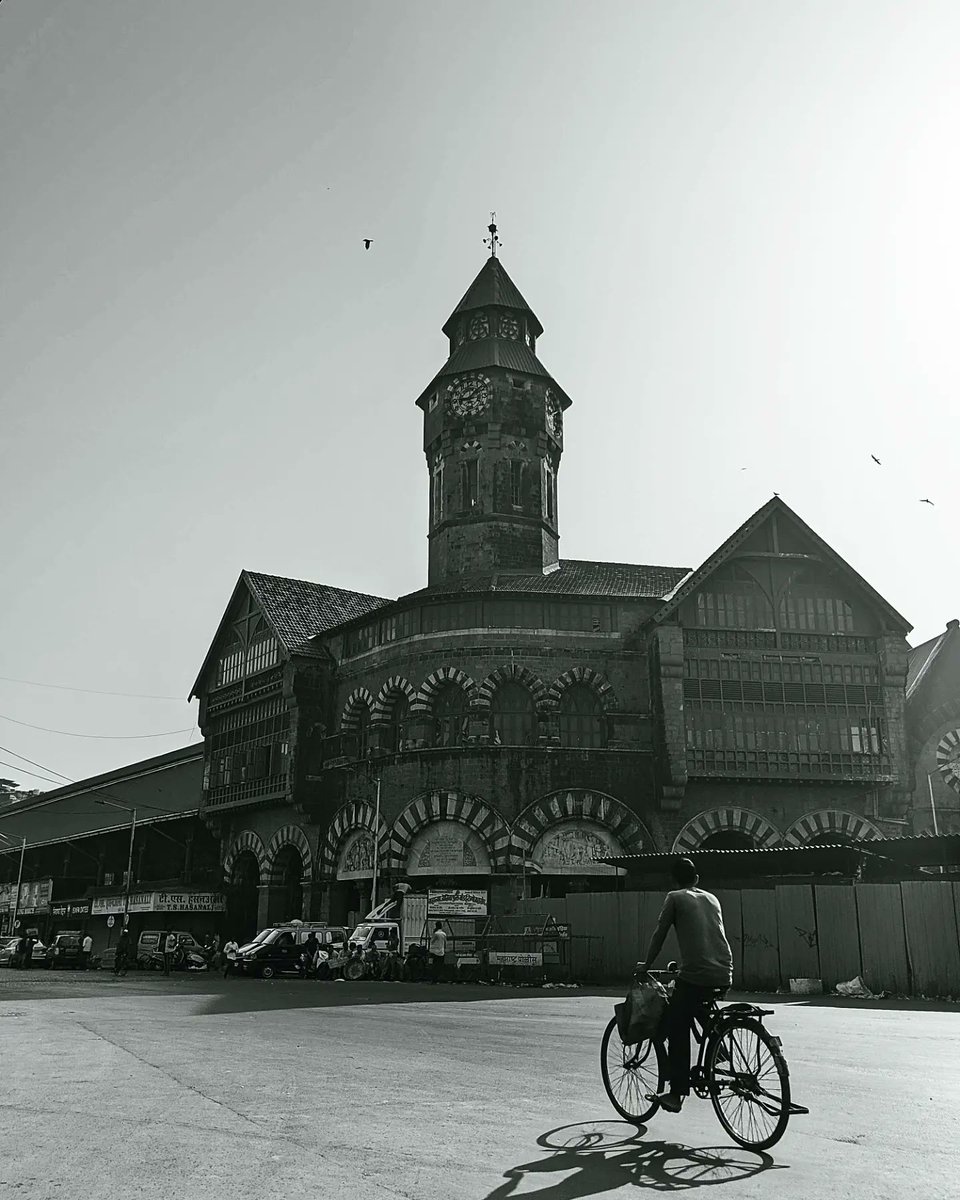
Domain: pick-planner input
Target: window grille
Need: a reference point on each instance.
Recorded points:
(581, 718)
(513, 719)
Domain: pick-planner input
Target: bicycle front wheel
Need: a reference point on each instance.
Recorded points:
(750, 1084)
(631, 1074)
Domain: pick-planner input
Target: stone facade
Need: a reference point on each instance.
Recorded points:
(524, 716)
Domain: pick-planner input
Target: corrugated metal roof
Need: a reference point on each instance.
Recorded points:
(299, 610)
(493, 286)
(771, 860)
(172, 781)
(574, 577)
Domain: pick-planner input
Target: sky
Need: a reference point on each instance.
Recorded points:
(737, 223)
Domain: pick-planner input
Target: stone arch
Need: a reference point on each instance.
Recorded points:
(423, 701)
(577, 804)
(830, 820)
(512, 674)
(358, 814)
(396, 684)
(349, 718)
(718, 820)
(585, 675)
(246, 840)
(288, 835)
(468, 810)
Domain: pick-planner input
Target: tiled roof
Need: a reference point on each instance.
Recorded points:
(299, 610)
(575, 577)
(493, 286)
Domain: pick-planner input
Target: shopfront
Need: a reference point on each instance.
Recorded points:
(32, 911)
(196, 912)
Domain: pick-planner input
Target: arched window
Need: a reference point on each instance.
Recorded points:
(395, 733)
(581, 718)
(450, 715)
(513, 718)
(361, 730)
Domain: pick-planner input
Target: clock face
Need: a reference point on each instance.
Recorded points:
(554, 415)
(479, 327)
(470, 395)
(510, 328)
(948, 758)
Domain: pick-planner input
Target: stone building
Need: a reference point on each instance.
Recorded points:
(524, 715)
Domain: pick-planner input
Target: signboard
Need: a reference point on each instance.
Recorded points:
(71, 908)
(110, 921)
(457, 902)
(6, 895)
(144, 902)
(35, 896)
(515, 958)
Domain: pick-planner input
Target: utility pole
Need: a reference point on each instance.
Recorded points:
(16, 898)
(376, 850)
(133, 830)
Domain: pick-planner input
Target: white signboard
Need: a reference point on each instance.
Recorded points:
(515, 958)
(457, 902)
(159, 902)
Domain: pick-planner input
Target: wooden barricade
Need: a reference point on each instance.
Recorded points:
(883, 946)
(838, 934)
(930, 923)
(797, 933)
(761, 958)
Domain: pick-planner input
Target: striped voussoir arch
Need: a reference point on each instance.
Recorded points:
(355, 815)
(572, 805)
(351, 710)
(830, 820)
(246, 840)
(510, 674)
(471, 811)
(590, 678)
(287, 835)
(719, 820)
(435, 681)
(948, 749)
(396, 685)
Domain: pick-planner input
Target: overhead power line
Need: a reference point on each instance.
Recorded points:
(62, 687)
(99, 737)
(24, 771)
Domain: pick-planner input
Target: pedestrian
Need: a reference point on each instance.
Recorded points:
(438, 948)
(309, 955)
(21, 960)
(169, 951)
(86, 952)
(230, 951)
(122, 955)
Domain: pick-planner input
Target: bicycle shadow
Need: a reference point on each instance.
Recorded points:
(601, 1156)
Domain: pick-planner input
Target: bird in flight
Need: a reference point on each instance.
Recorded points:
(367, 243)
(876, 460)
(930, 502)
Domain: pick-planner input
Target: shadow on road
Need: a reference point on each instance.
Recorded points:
(592, 1157)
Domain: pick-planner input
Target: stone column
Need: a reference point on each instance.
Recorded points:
(673, 732)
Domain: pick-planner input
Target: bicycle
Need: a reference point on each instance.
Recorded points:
(740, 1067)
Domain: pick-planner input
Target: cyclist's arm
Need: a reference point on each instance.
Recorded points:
(660, 933)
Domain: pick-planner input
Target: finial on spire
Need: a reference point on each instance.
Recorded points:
(493, 241)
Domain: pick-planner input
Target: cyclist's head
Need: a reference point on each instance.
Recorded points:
(684, 872)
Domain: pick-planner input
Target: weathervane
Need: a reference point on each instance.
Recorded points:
(493, 241)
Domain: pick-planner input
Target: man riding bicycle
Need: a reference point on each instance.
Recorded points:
(706, 970)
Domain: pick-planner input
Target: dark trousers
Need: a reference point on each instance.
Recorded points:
(687, 1002)
(436, 967)
(167, 962)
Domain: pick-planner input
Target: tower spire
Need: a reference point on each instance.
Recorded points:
(493, 241)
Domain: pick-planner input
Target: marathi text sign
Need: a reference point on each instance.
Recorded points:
(71, 908)
(515, 958)
(159, 902)
(457, 902)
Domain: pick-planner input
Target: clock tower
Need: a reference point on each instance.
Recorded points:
(493, 436)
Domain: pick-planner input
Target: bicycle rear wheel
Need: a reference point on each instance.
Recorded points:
(631, 1073)
(750, 1083)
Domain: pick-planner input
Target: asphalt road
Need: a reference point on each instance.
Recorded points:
(195, 1087)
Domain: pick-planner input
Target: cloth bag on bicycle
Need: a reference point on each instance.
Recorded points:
(639, 1016)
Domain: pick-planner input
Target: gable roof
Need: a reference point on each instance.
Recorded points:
(923, 660)
(493, 285)
(774, 505)
(296, 611)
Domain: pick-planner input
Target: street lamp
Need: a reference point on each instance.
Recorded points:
(16, 898)
(133, 830)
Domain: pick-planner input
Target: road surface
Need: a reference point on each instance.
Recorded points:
(201, 1088)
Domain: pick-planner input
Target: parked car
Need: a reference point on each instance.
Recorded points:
(8, 952)
(64, 950)
(277, 949)
(189, 955)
